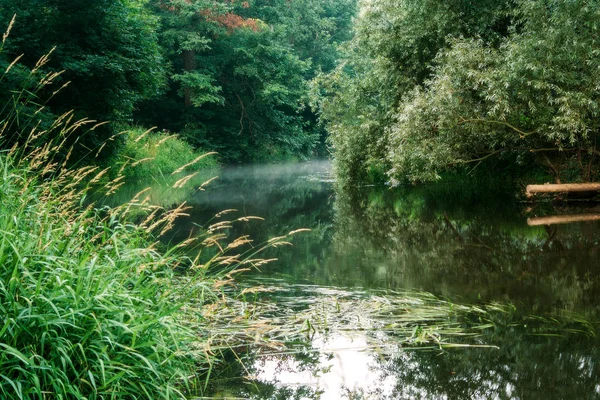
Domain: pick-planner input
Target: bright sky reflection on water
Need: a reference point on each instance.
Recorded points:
(346, 366)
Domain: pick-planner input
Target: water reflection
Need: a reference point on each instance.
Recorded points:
(474, 249)
(469, 245)
(532, 369)
(345, 368)
(534, 357)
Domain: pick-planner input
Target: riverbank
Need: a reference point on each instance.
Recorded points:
(149, 156)
(88, 303)
(91, 305)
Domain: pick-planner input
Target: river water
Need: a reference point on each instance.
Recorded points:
(369, 246)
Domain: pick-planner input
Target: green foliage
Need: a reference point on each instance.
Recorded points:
(392, 52)
(231, 77)
(312, 28)
(149, 155)
(238, 82)
(85, 313)
(187, 29)
(108, 50)
(430, 86)
(523, 95)
(263, 87)
(22, 109)
(26, 124)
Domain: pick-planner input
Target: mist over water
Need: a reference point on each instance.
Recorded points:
(260, 185)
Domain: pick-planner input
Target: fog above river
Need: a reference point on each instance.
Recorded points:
(235, 186)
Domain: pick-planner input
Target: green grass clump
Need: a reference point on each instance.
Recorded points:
(87, 305)
(149, 155)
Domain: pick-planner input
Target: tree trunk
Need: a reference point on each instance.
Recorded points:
(562, 188)
(189, 64)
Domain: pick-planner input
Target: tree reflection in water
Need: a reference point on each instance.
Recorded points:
(462, 243)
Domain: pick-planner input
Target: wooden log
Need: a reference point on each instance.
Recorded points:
(562, 188)
(562, 219)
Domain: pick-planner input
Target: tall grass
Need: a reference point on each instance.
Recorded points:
(89, 306)
(85, 300)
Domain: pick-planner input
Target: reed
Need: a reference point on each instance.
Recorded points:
(90, 305)
(84, 297)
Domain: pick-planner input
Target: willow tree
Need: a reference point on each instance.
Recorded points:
(534, 95)
(429, 86)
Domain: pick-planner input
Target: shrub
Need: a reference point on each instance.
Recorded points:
(152, 155)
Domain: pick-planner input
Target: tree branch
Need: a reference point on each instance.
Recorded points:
(529, 149)
(521, 133)
(242, 114)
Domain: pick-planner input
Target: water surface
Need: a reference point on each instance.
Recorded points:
(461, 243)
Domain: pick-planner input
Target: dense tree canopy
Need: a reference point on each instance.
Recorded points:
(107, 49)
(239, 73)
(431, 85)
(229, 76)
(406, 90)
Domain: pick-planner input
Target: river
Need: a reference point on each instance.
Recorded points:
(373, 247)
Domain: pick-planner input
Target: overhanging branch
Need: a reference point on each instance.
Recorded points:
(521, 133)
(521, 148)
